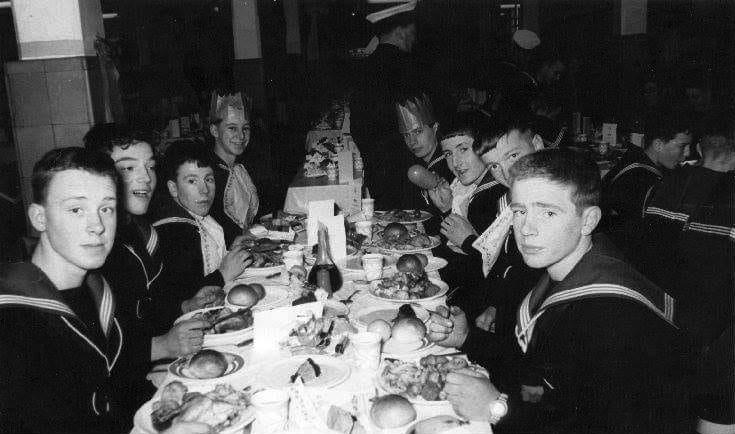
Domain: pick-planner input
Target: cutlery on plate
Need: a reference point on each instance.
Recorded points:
(226, 317)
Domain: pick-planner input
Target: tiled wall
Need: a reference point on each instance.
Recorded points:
(53, 103)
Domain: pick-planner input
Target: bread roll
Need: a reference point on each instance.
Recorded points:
(392, 411)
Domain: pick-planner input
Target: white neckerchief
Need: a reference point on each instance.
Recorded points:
(241, 200)
(212, 239)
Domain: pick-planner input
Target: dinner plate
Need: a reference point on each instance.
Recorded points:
(142, 420)
(443, 289)
(425, 215)
(219, 339)
(370, 314)
(435, 264)
(260, 271)
(386, 389)
(435, 242)
(278, 375)
(396, 350)
(274, 295)
(180, 368)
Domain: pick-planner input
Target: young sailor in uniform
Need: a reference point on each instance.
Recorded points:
(598, 337)
(60, 339)
(236, 200)
(192, 243)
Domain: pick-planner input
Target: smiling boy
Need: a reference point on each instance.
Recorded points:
(60, 339)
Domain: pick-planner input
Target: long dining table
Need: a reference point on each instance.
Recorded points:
(359, 387)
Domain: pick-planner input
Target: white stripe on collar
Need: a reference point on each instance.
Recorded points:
(167, 220)
(632, 166)
(152, 243)
(43, 303)
(435, 161)
(95, 347)
(526, 323)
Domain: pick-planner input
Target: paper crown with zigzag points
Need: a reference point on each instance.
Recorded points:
(414, 112)
(220, 103)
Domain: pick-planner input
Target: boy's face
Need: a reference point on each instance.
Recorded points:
(510, 148)
(673, 152)
(232, 135)
(421, 141)
(78, 219)
(137, 169)
(462, 160)
(546, 224)
(194, 188)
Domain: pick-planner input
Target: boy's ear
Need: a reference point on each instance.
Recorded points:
(172, 189)
(37, 217)
(591, 217)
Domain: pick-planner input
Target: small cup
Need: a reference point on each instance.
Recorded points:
(365, 228)
(372, 264)
(292, 258)
(367, 349)
(368, 208)
(271, 410)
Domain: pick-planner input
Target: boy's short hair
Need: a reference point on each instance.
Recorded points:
(565, 167)
(463, 124)
(665, 127)
(72, 158)
(718, 134)
(488, 137)
(185, 151)
(105, 137)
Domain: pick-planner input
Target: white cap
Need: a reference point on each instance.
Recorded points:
(526, 39)
(398, 8)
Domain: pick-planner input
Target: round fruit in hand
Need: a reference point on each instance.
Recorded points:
(410, 264)
(380, 327)
(243, 296)
(392, 411)
(408, 330)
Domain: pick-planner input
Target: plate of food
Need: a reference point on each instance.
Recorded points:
(231, 326)
(370, 314)
(225, 409)
(398, 239)
(205, 365)
(405, 216)
(422, 382)
(314, 371)
(402, 287)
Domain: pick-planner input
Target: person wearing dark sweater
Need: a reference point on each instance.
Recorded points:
(133, 266)
(688, 247)
(418, 126)
(508, 279)
(236, 200)
(468, 206)
(598, 337)
(630, 182)
(387, 73)
(60, 339)
(192, 245)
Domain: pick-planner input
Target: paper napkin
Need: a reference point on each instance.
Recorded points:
(318, 210)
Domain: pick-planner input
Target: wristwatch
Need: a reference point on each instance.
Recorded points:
(498, 408)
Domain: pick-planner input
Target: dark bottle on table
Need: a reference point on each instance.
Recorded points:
(324, 274)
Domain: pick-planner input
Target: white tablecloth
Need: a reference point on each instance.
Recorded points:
(360, 380)
(303, 190)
